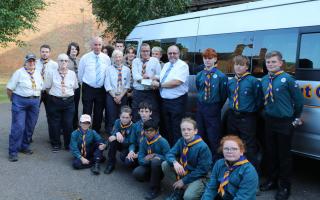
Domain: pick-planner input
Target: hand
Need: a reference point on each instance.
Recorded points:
(178, 184)
(154, 78)
(155, 84)
(178, 168)
(119, 137)
(102, 146)
(112, 138)
(131, 156)
(84, 161)
(145, 76)
(149, 156)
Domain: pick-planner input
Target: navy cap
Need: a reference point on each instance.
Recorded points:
(29, 57)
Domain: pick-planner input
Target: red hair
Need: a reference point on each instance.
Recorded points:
(209, 53)
(235, 139)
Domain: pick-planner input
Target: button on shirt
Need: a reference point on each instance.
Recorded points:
(50, 66)
(87, 68)
(20, 83)
(153, 68)
(180, 71)
(53, 83)
(111, 80)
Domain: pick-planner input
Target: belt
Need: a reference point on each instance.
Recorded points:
(32, 97)
(62, 98)
(237, 113)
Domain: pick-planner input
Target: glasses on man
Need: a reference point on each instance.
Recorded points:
(63, 60)
(172, 53)
(230, 149)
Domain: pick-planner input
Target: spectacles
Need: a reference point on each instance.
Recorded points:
(230, 149)
(63, 60)
(172, 53)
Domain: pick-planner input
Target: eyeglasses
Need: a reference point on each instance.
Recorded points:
(63, 60)
(230, 149)
(172, 53)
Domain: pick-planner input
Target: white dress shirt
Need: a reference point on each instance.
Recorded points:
(53, 83)
(50, 66)
(180, 71)
(153, 68)
(87, 68)
(20, 83)
(111, 80)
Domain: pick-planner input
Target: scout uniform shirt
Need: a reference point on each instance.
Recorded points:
(126, 131)
(136, 137)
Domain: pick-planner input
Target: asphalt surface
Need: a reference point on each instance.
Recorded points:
(47, 175)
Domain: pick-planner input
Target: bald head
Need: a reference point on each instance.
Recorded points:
(96, 44)
(173, 53)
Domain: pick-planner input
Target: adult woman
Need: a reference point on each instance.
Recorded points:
(23, 89)
(61, 84)
(232, 177)
(131, 53)
(117, 82)
(73, 51)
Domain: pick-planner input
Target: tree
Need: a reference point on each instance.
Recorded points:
(17, 16)
(121, 16)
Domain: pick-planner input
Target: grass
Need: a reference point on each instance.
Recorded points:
(3, 90)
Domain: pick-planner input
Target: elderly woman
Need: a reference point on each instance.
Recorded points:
(23, 89)
(232, 177)
(61, 84)
(117, 83)
(73, 51)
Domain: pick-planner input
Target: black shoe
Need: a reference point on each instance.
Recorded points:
(55, 149)
(269, 185)
(95, 169)
(26, 151)
(152, 194)
(176, 195)
(282, 194)
(109, 169)
(13, 158)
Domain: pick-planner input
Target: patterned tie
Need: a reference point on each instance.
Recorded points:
(83, 144)
(144, 66)
(63, 86)
(225, 180)
(167, 73)
(44, 64)
(236, 91)
(269, 89)
(153, 140)
(184, 156)
(31, 72)
(119, 80)
(207, 84)
(99, 78)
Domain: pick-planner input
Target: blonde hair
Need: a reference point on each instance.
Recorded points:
(189, 120)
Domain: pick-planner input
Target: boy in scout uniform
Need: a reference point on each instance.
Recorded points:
(152, 151)
(245, 98)
(283, 107)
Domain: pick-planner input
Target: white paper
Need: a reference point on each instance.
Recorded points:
(146, 82)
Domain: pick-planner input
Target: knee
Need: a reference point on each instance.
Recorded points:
(76, 164)
(189, 195)
(165, 166)
(138, 174)
(156, 163)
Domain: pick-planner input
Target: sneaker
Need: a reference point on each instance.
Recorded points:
(95, 169)
(55, 149)
(26, 151)
(13, 158)
(282, 194)
(109, 169)
(176, 195)
(152, 194)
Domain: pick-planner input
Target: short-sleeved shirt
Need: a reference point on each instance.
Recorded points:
(180, 71)
(48, 67)
(53, 83)
(20, 83)
(111, 80)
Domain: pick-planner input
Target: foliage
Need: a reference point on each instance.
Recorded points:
(17, 16)
(121, 16)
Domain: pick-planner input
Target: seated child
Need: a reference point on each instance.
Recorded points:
(87, 146)
(152, 151)
(191, 160)
(119, 139)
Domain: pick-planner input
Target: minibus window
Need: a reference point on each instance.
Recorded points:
(309, 57)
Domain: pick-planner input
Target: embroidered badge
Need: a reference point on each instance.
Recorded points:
(283, 80)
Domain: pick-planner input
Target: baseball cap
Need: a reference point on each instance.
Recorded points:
(85, 118)
(30, 56)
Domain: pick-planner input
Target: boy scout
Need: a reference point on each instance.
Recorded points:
(152, 151)
(283, 106)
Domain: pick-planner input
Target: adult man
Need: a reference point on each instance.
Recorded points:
(173, 84)
(92, 72)
(145, 69)
(120, 45)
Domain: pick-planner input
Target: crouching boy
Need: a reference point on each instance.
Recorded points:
(191, 160)
(87, 146)
(152, 151)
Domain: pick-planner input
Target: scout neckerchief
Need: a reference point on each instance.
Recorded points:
(123, 128)
(144, 66)
(236, 91)
(83, 144)
(63, 74)
(269, 89)
(119, 80)
(184, 155)
(153, 140)
(225, 180)
(31, 72)
(207, 84)
(44, 64)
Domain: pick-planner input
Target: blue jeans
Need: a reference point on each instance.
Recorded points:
(25, 112)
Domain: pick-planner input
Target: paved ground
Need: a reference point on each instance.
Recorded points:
(45, 175)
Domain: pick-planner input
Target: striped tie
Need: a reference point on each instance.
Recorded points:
(167, 73)
(225, 180)
(207, 83)
(63, 85)
(236, 91)
(99, 78)
(144, 67)
(119, 80)
(83, 144)
(31, 72)
(43, 70)
(153, 140)
(269, 89)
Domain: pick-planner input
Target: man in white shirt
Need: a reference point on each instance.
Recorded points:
(144, 70)
(23, 89)
(91, 74)
(173, 84)
(120, 45)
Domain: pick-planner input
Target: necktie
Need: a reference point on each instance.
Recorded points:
(269, 93)
(152, 141)
(63, 86)
(166, 73)
(184, 156)
(83, 144)
(119, 80)
(31, 72)
(144, 66)
(99, 78)
(236, 91)
(225, 180)
(44, 64)
(207, 84)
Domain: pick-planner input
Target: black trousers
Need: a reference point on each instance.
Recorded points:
(279, 133)
(60, 112)
(124, 150)
(94, 155)
(112, 111)
(152, 172)
(93, 99)
(149, 96)
(76, 107)
(173, 110)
